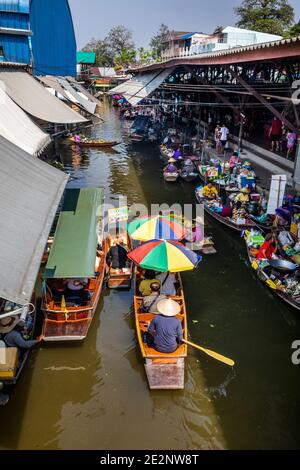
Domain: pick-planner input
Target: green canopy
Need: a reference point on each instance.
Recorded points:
(73, 253)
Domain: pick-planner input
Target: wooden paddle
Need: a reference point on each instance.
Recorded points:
(210, 353)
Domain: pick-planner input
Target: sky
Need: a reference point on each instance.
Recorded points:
(94, 18)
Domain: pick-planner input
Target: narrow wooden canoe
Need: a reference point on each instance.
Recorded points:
(94, 143)
(117, 278)
(73, 322)
(164, 371)
(263, 277)
(12, 378)
(223, 220)
(189, 178)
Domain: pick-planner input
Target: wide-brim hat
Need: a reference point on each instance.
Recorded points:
(245, 191)
(168, 308)
(172, 160)
(8, 324)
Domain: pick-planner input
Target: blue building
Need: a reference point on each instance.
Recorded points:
(38, 33)
(15, 31)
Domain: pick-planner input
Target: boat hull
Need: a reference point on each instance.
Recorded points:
(171, 177)
(163, 371)
(96, 144)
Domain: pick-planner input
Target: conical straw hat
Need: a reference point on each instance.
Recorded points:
(168, 308)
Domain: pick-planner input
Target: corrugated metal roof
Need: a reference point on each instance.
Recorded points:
(18, 128)
(73, 253)
(21, 6)
(84, 57)
(32, 97)
(53, 42)
(30, 192)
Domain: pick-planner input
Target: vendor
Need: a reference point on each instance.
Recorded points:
(243, 197)
(234, 159)
(171, 168)
(268, 248)
(210, 191)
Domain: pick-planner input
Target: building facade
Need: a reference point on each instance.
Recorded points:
(39, 33)
(15, 32)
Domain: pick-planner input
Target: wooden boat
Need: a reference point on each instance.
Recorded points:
(223, 220)
(72, 320)
(72, 285)
(189, 177)
(164, 371)
(16, 359)
(263, 277)
(171, 177)
(95, 143)
(119, 278)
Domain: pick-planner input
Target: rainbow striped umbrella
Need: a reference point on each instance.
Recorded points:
(158, 228)
(165, 256)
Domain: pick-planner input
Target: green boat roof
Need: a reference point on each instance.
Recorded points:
(86, 57)
(73, 253)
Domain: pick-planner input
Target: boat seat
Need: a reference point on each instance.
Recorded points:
(152, 353)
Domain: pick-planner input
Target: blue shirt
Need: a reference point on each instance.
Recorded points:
(14, 339)
(166, 331)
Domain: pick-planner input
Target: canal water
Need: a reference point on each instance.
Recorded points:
(95, 395)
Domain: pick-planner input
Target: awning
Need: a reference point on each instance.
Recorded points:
(18, 128)
(51, 82)
(32, 97)
(141, 86)
(30, 192)
(80, 89)
(89, 106)
(73, 253)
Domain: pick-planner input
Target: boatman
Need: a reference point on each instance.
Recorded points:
(166, 329)
(15, 338)
(210, 191)
(117, 255)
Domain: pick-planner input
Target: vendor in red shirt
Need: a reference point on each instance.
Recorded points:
(275, 133)
(268, 248)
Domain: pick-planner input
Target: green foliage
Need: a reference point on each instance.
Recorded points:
(116, 48)
(294, 31)
(269, 16)
(157, 42)
(126, 58)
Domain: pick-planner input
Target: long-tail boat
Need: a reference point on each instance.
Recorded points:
(94, 143)
(75, 269)
(274, 283)
(223, 220)
(164, 371)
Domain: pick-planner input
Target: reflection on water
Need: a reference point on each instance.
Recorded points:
(95, 395)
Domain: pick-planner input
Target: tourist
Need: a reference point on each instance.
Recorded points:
(116, 257)
(224, 136)
(145, 285)
(166, 329)
(150, 302)
(268, 248)
(210, 191)
(275, 134)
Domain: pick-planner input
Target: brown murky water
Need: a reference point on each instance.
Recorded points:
(95, 395)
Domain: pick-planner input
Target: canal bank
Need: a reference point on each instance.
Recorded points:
(95, 395)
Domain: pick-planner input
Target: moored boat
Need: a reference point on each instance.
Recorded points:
(75, 269)
(278, 275)
(14, 360)
(164, 371)
(229, 222)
